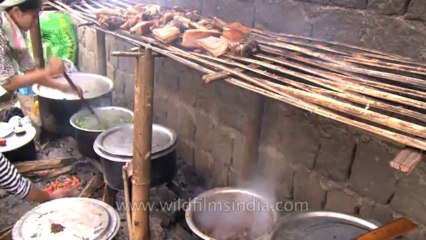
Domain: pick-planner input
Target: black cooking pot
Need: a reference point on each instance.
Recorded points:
(56, 107)
(118, 153)
(86, 137)
(25, 153)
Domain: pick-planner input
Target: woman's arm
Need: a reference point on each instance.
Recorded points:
(15, 184)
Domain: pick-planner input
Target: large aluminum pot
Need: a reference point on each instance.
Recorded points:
(115, 147)
(86, 137)
(231, 213)
(56, 107)
(320, 225)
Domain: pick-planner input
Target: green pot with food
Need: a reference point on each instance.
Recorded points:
(87, 126)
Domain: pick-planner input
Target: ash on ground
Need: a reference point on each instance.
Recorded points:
(165, 222)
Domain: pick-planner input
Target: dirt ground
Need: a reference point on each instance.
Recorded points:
(163, 225)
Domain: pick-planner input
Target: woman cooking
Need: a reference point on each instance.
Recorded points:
(16, 71)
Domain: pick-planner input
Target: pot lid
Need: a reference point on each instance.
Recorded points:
(68, 218)
(93, 86)
(119, 141)
(321, 226)
(5, 129)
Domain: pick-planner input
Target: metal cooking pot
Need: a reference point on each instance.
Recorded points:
(320, 225)
(231, 213)
(86, 137)
(115, 147)
(56, 107)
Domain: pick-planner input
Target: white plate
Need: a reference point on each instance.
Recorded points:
(81, 218)
(5, 129)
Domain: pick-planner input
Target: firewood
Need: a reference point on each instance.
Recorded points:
(6, 233)
(51, 173)
(39, 165)
(93, 185)
(407, 160)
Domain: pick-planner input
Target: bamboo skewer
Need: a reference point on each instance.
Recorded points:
(325, 66)
(346, 66)
(337, 86)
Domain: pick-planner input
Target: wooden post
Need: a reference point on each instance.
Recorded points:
(141, 177)
(252, 130)
(101, 50)
(37, 44)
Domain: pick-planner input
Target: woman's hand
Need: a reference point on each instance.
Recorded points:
(62, 193)
(56, 67)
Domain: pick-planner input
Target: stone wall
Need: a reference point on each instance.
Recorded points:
(301, 156)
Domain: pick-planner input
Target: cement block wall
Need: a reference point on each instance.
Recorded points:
(301, 156)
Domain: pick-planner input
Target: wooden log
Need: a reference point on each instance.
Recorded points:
(407, 160)
(39, 165)
(141, 177)
(51, 173)
(96, 183)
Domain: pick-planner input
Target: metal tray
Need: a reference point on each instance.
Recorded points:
(320, 226)
(82, 218)
(119, 141)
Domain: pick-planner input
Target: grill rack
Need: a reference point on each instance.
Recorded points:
(378, 92)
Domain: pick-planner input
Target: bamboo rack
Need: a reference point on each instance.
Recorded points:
(381, 93)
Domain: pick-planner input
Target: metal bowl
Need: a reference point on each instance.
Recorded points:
(86, 137)
(227, 213)
(320, 225)
(57, 107)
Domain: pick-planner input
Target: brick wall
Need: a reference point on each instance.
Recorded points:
(301, 157)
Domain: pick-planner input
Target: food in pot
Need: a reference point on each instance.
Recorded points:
(90, 122)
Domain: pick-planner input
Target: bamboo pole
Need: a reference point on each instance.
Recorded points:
(127, 201)
(141, 177)
(379, 118)
(395, 137)
(325, 66)
(348, 66)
